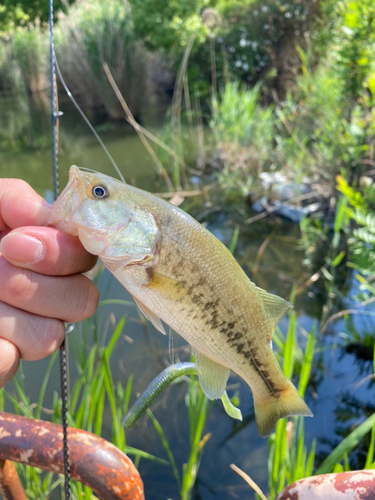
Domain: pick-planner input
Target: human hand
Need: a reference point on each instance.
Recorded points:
(40, 281)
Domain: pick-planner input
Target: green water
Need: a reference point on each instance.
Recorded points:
(269, 251)
(77, 145)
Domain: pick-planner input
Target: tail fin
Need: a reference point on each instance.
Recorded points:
(288, 403)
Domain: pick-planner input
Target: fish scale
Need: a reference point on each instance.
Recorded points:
(179, 273)
(210, 311)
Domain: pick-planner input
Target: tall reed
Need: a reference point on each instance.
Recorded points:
(10, 73)
(31, 51)
(95, 32)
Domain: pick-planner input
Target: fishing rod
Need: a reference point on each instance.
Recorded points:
(63, 363)
(55, 114)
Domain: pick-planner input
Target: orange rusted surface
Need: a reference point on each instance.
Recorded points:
(353, 485)
(93, 461)
(10, 484)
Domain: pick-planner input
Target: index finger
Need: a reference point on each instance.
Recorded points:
(20, 205)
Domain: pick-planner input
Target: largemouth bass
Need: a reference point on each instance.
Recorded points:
(179, 273)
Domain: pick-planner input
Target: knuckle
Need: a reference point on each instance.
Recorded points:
(13, 184)
(20, 287)
(19, 184)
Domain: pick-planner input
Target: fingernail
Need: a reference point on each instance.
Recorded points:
(22, 248)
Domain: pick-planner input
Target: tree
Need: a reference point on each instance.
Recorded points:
(15, 13)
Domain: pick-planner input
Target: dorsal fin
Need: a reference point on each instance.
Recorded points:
(275, 307)
(212, 377)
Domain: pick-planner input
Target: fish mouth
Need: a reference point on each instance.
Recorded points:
(68, 202)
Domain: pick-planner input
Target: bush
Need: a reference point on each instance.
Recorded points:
(243, 132)
(325, 123)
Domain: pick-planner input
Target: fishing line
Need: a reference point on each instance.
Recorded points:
(87, 120)
(171, 345)
(63, 364)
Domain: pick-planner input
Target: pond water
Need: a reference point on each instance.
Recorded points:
(270, 253)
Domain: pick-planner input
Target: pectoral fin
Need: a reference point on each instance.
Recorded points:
(150, 316)
(212, 377)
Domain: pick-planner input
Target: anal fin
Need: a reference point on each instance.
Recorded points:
(212, 376)
(150, 316)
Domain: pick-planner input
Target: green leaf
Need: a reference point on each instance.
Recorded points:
(166, 446)
(363, 61)
(307, 363)
(370, 451)
(233, 243)
(289, 346)
(328, 276)
(336, 261)
(338, 468)
(115, 337)
(364, 235)
(129, 450)
(371, 83)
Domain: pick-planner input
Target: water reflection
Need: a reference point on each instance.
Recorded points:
(350, 410)
(25, 145)
(360, 345)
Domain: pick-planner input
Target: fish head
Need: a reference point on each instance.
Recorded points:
(109, 222)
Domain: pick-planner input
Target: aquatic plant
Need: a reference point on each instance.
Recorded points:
(92, 391)
(289, 457)
(243, 133)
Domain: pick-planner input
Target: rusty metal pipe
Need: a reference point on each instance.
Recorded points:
(353, 485)
(94, 461)
(10, 484)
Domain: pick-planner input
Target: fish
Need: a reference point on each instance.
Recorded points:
(180, 274)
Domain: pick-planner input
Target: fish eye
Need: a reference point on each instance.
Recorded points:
(100, 191)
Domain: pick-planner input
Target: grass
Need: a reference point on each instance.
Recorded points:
(243, 132)
(198, 407)
(93, 390)
(289, 458)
